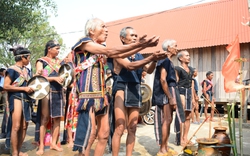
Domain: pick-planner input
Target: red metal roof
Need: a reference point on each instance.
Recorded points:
(203, 25)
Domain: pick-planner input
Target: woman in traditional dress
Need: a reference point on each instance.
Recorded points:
(52, 106)
(15, 83)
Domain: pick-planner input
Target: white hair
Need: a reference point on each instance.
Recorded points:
(91, 25)
(167, 43)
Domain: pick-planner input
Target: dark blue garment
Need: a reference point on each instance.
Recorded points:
(83, 130)
(209, 91)
(79, 43)
(207, 84)
(38, 121)
(54, 85)
(56, 102)
(124, 76)
(195, 85)
(23, 96)
(158, 93)
(17, 95)
(4, 124)
(131, 76)
(185, 79)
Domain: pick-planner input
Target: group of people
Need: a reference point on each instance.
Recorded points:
(91, 112)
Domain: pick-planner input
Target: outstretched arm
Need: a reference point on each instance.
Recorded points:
(141, 63)
(121, 51)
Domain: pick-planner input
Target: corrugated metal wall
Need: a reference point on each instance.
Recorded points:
(212, 59)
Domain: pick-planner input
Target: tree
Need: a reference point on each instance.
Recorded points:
(34, 37)
(19, 14)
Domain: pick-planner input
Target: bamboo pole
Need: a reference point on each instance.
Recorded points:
(231, 127)
(241, 112)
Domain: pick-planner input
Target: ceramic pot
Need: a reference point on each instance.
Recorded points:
(223, 138)
(205, 147)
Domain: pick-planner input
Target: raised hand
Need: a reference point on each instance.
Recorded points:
(153, 41)
(143, 39)
(158, 55)
(149, 42)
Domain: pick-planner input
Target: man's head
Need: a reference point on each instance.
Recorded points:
(14, 48)
(22, 54)
(2, 71)
(128, 35)
(195, 72)
(170, 46)
(97, 30)
(183, 56)
(209, 75)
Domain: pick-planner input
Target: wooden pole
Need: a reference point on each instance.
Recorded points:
(194, 134)
(209, 129)
(240, 117)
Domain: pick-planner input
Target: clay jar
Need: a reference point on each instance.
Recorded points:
(221, 135)
(205, 147)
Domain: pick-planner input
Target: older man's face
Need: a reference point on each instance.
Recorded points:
(185, 57)
(131, 36)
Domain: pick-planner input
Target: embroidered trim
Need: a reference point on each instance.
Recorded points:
(86, 64)
(24, 76)
(51, 66)
(84, 95)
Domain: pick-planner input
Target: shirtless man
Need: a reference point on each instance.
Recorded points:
(126, 91)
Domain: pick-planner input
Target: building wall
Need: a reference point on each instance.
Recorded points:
(212, 59)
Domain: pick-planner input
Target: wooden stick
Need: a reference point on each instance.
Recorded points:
(194, 134)
(209, 135)
(215, 110)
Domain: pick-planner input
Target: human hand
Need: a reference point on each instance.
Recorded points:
(171, 101)
(39, 72)
(66, 60)
(197, 98)
(59, 79)
(149, 42)
(153, 41)
(28, 90)
(207, 97)
(193, 102)
(158, 55)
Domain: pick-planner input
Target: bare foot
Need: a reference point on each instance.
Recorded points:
(35, 143)
(213, 120)
(40, 152)
(184, 142)
(162, 154)
(172, 152)
(55, 147)
(70, 145)
(23, 154)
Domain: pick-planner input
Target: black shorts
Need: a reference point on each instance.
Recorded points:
(132, 93)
